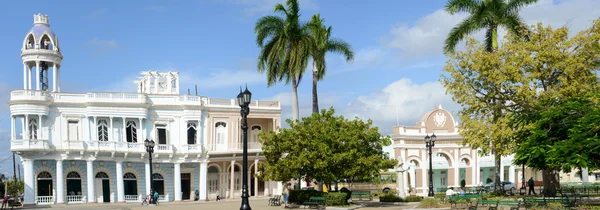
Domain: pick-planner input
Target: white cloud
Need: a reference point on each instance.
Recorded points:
(426, 36)
(220, 78)
(402, 100)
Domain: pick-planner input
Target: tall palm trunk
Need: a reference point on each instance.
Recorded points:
(295, 108)
(315, 97)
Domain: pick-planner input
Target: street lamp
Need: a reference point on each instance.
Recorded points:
(430, 143)
(150, 149)
(523, 179)
(244, 99)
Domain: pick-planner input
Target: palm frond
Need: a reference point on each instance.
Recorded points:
(280, 8)
(514, 23)
(342, 47)
(513, 6)
(456, 6)
(458, 33)
(268, 26)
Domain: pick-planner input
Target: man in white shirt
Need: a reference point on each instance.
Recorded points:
(449, 193)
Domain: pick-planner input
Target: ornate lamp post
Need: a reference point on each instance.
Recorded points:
(150, 149)
(430, 143)
(244, 99)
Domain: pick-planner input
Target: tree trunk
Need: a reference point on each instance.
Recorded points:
(494, 38)
(551, 182)
(315, 97)
(497, 180)
(295, 108)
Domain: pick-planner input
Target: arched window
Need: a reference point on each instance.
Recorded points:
(33, 127)
(101, 175)
(221, 133)
(45, 42)
(44, 175)
(255, 130)
(129, 184)
(29, 44)
(73, 183)
(158, 183)
(102, 130)
(191, 132)
(131, 131)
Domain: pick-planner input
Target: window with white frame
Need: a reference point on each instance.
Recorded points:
(131, 131)
(102, 130)
(220, 133)
(191, 132)
(33, 128)
(73, 130)
(255, 130)
(161, 133)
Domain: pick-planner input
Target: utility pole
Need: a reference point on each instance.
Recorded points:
(14, 172)
(19, 166)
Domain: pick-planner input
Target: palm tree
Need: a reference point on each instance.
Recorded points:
(285, 48)
(323, 43)
(488, 15)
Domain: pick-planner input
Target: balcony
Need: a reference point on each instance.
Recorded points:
(74, 145)
(29, 145)
(116, 97)
(163, 149)
(224, 102)
(233, 148)
(28, 95)
(191, 148)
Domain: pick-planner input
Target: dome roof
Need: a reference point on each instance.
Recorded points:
(41, 28)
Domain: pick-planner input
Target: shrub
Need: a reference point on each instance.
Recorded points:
(429, 203)
(390, 198)
(336, 199)
(348, 192)
(413, 198)
(554, 206)
(440, 196)
(299, 196)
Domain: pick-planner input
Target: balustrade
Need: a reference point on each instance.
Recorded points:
(44, 200)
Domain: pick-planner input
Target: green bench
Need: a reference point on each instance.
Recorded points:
(362, 194)
(462, 201)
(533, 202)
(491, 204)
(513, 204)
(275, 200)
(315, 202)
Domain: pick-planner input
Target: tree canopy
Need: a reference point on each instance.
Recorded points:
(548, 64)
(325, 147)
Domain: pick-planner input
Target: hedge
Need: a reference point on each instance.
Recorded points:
(331, 198)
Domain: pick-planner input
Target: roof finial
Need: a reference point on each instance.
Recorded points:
(40, 19)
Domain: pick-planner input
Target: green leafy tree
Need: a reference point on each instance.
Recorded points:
(488, 15)
(285, 44)
(547, 64)
(15, 187)
(325, 147)
(324, 43)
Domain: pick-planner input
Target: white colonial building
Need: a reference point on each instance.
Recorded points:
(452, 161)
(88, 147)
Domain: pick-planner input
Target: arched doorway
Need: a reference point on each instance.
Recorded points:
(102, 187)
(130, 186)
(260, 185)
(44, 187)
(442, 172)
(158, 182)
(74, 193)
(237, 181)
(213, 181)
(465, 175)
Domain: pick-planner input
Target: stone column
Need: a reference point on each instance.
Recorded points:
(90, 182)
(58, 79)
(476, 168)
(26, 133)
(147, 167)
(585, 175)
(501, 170)
(177, 180)
(457, 167)
(110, 130)
(29, 79)
(60, 182)
(511, 174)
(255, 178)
(54, 78)
(202, 180)
(95, 129)
(37, 75)
(124, 131)
(40, 124)
(140, 130)
(120, 190)
(24, 76)
(232, 180)
(28, 178)
(13, 131)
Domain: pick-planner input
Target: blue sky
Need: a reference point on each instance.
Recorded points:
(394, 77)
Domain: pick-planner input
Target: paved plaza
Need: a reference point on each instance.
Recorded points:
(256, 204)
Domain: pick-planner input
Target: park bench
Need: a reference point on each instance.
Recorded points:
(491, 204)
(12, 203)
(315, 202)
(534, 202)
(362, 194)
(513, 204)
(275, 200)
(461, 201)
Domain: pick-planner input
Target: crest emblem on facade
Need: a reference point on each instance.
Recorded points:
(439, 119)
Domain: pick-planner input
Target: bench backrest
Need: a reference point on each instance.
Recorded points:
(315, 198)
(360, 193)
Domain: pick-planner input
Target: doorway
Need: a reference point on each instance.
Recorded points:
(185, 186)
(102, 188)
